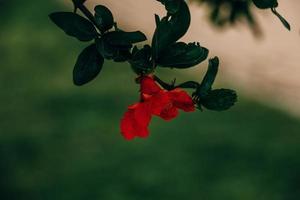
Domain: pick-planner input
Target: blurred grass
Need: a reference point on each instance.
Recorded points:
(61, 142)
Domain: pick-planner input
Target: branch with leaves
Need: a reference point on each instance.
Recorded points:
(109, 42)
(229, 12)
(272, 4)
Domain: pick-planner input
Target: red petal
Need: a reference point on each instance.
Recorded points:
(169, 113)
(127, 125)
(148, 86)
(162, 105)
(158, 102)
(182, 100)
(135, 121)
(142, 114)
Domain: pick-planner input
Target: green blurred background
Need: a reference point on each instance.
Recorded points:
(62, 142)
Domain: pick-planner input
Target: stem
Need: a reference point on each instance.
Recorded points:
(167, 86)
(80, 5)
(189, 85)
(283, 21)
(163, 84)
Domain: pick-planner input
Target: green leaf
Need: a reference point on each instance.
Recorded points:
(209, 77)
(78, 1)
(105, 49)
(122, 38)
(122, 55)
(170, 29)
(74, 25)
(116, 45)
(265, 4)
(157, 20)
(116, 53)
(140, 62)
(283, 21)
(103, 18)
(182, 55)
(88, 66)
(219, 99)
(172, 6)
(135, 50)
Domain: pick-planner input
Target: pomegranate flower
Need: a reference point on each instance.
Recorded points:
(154, 101)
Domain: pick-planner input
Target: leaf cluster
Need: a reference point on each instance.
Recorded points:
(204, 94)
(109, 42)
(213, 99)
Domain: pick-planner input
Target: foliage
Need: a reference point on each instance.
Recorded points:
(224, 12)
(56, 140)
(112, 43)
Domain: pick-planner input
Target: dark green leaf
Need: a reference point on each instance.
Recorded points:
(122, 55)
(219, 100)
(105, 49)
(157, 19)
(172, 6)
(283, 21)
(116, 45)
(182, 55)
(88, 65)
(135, 50)
(140, 61)
(265, 4)
(76, 2)
(170, 29)
(108, 51)
(122, 38)
(103, 18)
(209, 77)
(74, 25)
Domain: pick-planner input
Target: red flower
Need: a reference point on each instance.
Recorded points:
(154, 101)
